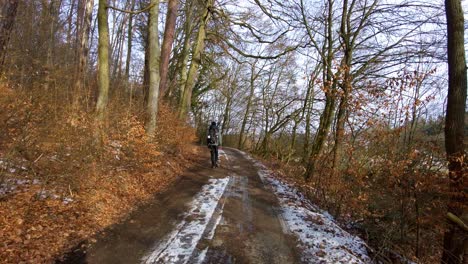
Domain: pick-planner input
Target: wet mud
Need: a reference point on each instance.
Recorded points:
(241, 224)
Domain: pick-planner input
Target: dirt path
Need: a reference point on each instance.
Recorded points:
(222, 215)
(237, 213)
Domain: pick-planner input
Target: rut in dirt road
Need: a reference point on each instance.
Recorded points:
(237, 213)
(241, 226)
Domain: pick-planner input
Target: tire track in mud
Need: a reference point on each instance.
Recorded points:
(250, 231)
(179, 245)
(242, 228)
(221, 215)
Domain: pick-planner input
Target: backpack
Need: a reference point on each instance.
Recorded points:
(213, 135)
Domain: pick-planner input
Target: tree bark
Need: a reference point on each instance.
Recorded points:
(83, 49)
(146, 72)
(345, 87)
(70, 20)
(253, 77)
(7, 18)
(456, 239)
(186, 99)
(329, 82)
(153, 60)
(50, 19)
(103, 53)
(169, 32)
(129, 42)
(226, 115)
(183, 58)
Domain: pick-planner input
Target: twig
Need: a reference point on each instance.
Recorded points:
(457, 221)
(38, 158)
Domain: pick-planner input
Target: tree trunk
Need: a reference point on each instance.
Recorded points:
(307, 112)
(146, 72)
(183, 58)
(169, 32)
(79, 30)
(70, 20)
(345, 87)
(129, 42)
(456, 239)
(103, 53)
(83, 50)
(7, 18)
(186, 99)
(253, 77)
(226, 115)
(117, 50)
(329, 83)
(51, 16)
(153, 60)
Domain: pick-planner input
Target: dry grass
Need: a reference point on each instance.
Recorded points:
(72, 181)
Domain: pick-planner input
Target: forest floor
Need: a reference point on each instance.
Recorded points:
(42, 218)
(237, 213)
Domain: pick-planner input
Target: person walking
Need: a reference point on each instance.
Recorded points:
(213, 141)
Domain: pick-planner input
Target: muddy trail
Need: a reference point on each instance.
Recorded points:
(230, 214)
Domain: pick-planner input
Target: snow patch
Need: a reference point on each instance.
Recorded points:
(223, 153)
(180, 244)
(319, 238)
(12, 167)
(13, 185)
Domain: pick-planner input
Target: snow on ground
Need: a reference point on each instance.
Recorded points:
(320, 239)
(179, 245)
(223, 153)
(12, 185)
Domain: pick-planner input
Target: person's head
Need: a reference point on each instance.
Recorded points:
(213, 123)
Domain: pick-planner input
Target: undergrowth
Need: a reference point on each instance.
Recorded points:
(63, 178)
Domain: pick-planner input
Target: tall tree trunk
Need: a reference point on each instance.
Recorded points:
(307, 112)
(345, 87)
(153, 60)
(103, 51)
(226, 115)
(184, 55)
(117, 49)
(253, 76)
(70, 20)
(329, 82)
(8, 10)
(456, 239)
(79, 29)
(50, 17)
(83, 49)
(146, 72)
(306, 149)
(292, 145)
(169, 32)
(186, 99)
(129, 42)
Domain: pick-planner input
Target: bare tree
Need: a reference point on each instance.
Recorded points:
(153, 60)
(254, 75)
(83, 48)
(166, 48)
(103, 50)
(192, 75)
(129, 41)
(7, 18)
(455, 239)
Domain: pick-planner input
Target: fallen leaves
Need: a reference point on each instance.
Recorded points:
(64, 187)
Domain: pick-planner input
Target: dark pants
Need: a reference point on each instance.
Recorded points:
(214, 155)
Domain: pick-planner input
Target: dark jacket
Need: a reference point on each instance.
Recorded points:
(213, 135)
